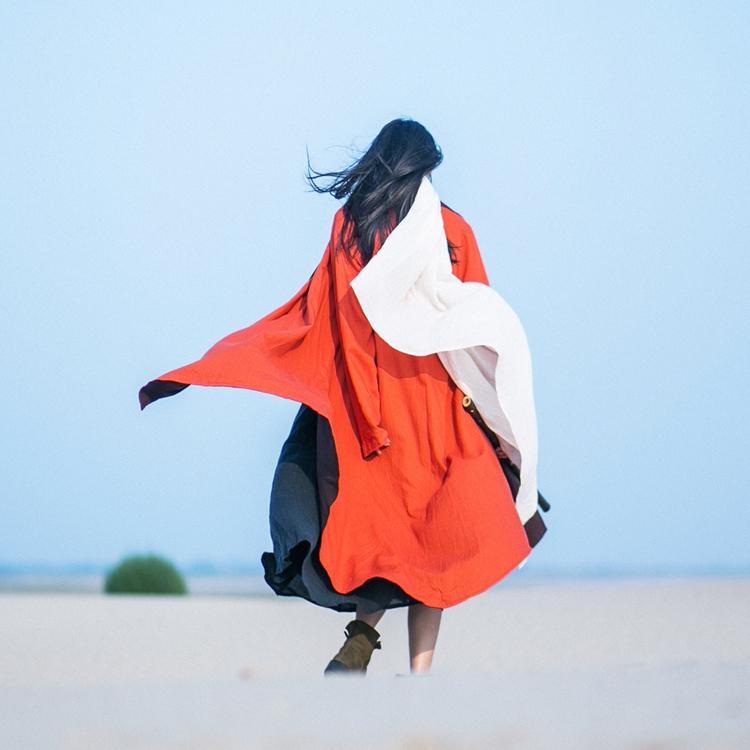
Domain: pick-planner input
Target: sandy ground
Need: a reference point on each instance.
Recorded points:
(643, 664)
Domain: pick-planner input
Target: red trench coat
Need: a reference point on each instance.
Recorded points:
(422, 499)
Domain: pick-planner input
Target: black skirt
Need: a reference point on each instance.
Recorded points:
(305, 484)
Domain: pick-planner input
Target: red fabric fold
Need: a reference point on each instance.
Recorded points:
(422, 499)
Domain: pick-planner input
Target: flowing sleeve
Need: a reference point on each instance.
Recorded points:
(470, 266)
(358, 354)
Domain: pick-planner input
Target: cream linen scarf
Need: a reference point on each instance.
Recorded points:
(417, 305)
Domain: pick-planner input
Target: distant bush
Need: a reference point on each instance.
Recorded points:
(144, 574)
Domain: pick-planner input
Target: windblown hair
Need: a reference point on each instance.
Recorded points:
(381, 185)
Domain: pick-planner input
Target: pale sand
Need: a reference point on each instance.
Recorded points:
(648, 664)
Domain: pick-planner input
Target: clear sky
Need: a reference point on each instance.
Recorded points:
(152, 200)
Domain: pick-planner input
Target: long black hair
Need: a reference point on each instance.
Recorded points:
(381, 185)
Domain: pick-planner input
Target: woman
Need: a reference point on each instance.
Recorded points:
(387, 493)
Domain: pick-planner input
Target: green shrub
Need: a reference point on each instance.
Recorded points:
(144, 574)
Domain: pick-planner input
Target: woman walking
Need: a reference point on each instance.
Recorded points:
(387, 492)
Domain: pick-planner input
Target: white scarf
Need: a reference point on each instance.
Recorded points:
(417, 305)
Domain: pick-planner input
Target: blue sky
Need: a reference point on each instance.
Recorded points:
(152, 160)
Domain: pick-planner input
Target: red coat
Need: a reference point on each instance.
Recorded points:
(432, 510)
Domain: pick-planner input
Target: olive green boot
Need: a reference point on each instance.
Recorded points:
(354, 655)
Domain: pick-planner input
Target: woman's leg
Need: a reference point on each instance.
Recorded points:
(424, 625)
(371, 618)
